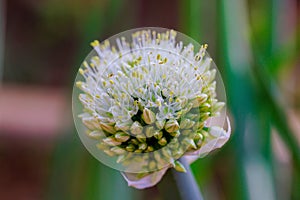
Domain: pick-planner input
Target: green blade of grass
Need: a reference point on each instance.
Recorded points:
(244, 103)
(190, 16)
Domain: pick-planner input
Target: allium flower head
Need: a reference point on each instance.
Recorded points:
(148, 100)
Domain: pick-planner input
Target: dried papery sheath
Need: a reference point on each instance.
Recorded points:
(147, 97)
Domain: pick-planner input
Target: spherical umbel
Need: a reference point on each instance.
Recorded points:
(146, 97)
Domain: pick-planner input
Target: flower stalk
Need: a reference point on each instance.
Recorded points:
(186, 183)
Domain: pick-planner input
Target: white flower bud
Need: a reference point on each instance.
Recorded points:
(160, 124)
(199, 100)
(123, 126)
(186, 124)
(118, 150)
(149, 131)
(107, 127)
(142, 146)
(148, 116)
(90, 122)
(109, 152)
(96, 134)
(102, 146)
(136, 128)
(121, 136)
(111, 141)
(171, 126)
(217, 107)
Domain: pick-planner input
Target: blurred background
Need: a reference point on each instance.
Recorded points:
(255, 44)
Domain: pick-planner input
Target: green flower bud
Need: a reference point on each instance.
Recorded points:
(130, 148)
(142, 146)
(205, 107)
(152, 165)
(198, 126)
(134, 141)
(167, 155)
(190, 142)
(138, 151)
(160, 124)
(186, 132)
(108, 152)
(91, 123)
(187, 108)
(199, 100)
(162, 141)
(158, 134)
(178, 152)
(148, 116)
(137, 158)
(111, 141)
(149, 149)
(107, 127)
(182, 101)
(198, 136)
(179, 167)
(118, 150)
(121, 136)
(174, 141)
(217, 107)
(149, 131)
(136, 128)
(157, 157)
(190, 124)
(120, 158)
(204, 116)
(204, 133)
(166, 152)
(171, 126)
(125, 126)
(199, 143)
(173, 145)
(175, 134)
(141, 175)
(124, 158)
(102, 146)
(141, 138)
(192, 116)
(211, 75)
(186, 124)
(96, 134)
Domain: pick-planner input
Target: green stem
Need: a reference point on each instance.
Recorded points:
(186, 183)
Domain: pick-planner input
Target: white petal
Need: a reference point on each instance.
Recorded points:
(146, 181)
(218, 142)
